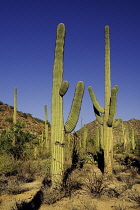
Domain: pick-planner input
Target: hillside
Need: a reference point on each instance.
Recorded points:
(34, 125)
(128, 126)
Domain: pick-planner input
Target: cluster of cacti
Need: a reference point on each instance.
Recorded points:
(128, 138)
(106, 116)
(133, 139)
(58, 128)
(61, 143)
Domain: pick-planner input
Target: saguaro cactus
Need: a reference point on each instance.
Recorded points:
(15, 106)
(58, 128)
(133, 140)
(105, 116)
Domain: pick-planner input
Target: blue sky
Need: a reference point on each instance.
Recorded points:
(27, 42)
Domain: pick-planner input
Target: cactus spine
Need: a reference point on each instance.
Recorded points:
(58, 128)
(15, 106)
(105, 116)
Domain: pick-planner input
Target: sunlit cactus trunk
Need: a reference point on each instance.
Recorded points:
(58, 128)
(133, 140)
(106, 116)
(108, 146)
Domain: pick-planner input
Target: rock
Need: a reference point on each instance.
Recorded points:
(136, 187)
(92, 169)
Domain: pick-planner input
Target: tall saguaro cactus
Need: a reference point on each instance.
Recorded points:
(58, 128)
(106, 116)
(15, 106)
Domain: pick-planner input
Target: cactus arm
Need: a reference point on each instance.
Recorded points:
(98, 116)
(117, 123)
(75, 108)
(112, 106)
(64, 87)
(94, 100)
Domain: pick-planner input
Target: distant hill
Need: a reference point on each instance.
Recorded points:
(117, 132)
(34, 125)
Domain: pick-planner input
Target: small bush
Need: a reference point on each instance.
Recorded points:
(134, 195)
(24, 115)
(38, 120)
(29, 115)
(94, 184)
(1, 103)
(15, 141)
(119, 206)
(7, 164)
(9, 119)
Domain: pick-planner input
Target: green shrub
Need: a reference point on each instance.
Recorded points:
(24, 115)
(29, 115)
(15, 141)
(9, 119)
(38, 120)
(7, 164)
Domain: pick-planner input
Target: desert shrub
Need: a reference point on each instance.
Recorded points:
(7, 164)
(118, 148)
(38, 120)
(1, 103)
(29, 115)
(120, 206)
(88, 205)
(134, 195)
(94, 184)
(14, 141)
(24, 115)
(9, 119)
(2, 109)
(32, 170)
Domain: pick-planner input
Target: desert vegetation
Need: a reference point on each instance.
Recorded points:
(44, 165)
